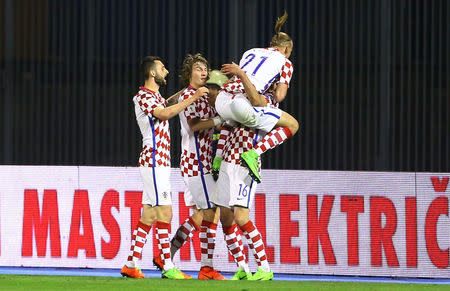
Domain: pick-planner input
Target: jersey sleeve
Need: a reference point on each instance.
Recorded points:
(148, 103)
(286, 73)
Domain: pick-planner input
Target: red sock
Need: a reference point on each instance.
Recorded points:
(162, 235)
(256, 244)
(207, 242)
(184, 232)
(138, 240)
(235, 247)
(273, 139)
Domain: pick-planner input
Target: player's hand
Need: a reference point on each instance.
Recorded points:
(216, 168)
(232, 69)
(202, 91)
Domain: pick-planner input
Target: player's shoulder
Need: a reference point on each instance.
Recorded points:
(188, 92)
(145, 93)
(288, 63)
(254, 51)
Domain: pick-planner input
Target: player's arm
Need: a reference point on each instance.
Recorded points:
(169, 112)
(196, 124)
(174, 98)
(280, 92)
(285, 78)
(253, 96)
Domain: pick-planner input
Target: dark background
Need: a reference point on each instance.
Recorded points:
(370, 86)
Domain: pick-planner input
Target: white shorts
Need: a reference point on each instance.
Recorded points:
(241, 110)
(156, 186)
(234, 187)
(199, 190)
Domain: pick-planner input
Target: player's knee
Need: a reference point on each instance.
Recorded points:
(148, 217)
(226, 216)
(293, 126)
(197, 217)
(209, 214)
(165, 214)
(240, 218)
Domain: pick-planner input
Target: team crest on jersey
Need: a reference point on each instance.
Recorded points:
(191, 109)
(165, 195)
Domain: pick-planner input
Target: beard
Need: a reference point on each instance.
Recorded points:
(160, 81)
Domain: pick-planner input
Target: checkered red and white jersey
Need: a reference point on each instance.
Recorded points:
(239, 140)
(263, 67)
(195, 145)
(155, 132)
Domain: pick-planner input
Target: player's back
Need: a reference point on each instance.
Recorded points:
(239, 140)
(262, 66)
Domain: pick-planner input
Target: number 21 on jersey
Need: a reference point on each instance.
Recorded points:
(259, 62)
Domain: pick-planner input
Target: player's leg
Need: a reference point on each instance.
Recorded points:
(186, 231)
(162, 227)
(255, 243)
(202, 190)
(235, 107)
(241, 197)
(234, 243)
(140, 232)
(285, 127)
(224, 133)
(221, 198)
(163, 211)
(287, 120)
(138, 240)
(207, 244)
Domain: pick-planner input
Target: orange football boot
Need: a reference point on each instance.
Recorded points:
(132, 272)
(208, 273)
(158, 263)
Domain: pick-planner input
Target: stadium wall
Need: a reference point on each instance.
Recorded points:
(313, 222)
(370, 89)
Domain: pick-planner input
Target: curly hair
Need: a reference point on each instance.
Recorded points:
(188, 64)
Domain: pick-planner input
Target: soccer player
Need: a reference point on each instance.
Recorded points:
(154, 165)
(234, 193)
(262, 68)
(197, 125)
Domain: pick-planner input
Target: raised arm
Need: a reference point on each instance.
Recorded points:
(171, 111)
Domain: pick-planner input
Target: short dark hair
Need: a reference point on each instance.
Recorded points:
(148, 63)
(188, 64)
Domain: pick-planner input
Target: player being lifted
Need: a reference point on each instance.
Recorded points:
(261, 67)
(197, 125)
(154, 165)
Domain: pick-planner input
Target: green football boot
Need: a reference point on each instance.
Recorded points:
(241, 275)
(216, 168)
(249, 159)
(174, 273)
(260, 275)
